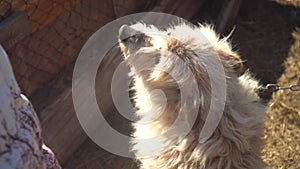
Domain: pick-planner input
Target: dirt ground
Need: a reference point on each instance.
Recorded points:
(263, 37)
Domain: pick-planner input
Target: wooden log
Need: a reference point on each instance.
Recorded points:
(21, 144)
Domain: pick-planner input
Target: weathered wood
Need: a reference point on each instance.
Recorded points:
(228, 15)
(21, 144)
(41, 12)
(122, 8)
(61, 128)
(185, 9)
(13, 29)
(40, 56)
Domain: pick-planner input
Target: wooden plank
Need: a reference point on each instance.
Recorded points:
(227, 15)
(13, 29)
(41, 12)
(61, 128)
(185, 9)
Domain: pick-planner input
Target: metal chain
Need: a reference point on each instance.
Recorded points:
(276, 87)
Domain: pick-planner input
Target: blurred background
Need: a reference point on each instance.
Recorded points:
(43, 39)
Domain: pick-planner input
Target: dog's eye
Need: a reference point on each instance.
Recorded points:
(157, 60)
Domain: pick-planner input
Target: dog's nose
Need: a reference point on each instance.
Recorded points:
(126, 31)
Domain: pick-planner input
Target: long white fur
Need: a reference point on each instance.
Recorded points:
(237, 141)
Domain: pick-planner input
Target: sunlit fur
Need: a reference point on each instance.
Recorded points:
(236, 142)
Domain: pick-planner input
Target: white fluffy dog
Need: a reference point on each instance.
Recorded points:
(157, 143)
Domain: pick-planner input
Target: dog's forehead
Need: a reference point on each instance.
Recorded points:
(127, 31)
(145, 28)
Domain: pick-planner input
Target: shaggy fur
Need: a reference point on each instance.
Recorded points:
(236, 142)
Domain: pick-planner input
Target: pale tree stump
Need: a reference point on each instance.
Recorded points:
(21, 144)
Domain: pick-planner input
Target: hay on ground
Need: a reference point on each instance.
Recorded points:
(283, 117)
(295, 3)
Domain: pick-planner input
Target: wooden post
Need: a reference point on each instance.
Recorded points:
(228, 15)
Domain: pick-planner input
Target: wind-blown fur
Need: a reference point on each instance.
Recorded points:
(236, 142)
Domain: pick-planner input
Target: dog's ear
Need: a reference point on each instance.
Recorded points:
(131, 40)
(233, 59)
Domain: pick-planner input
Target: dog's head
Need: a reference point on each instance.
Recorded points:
(180, 40)
(161, 59)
